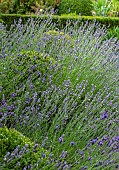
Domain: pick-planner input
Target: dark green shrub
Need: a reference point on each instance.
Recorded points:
(17, 6)
(23, 7)
(53, 3)
(49, 2)
(16, 69)
(10, 138)
(84, 7)
(17, 151)
(6, 6)
(112, 33)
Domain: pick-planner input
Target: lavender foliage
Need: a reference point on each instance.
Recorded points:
(62, 93)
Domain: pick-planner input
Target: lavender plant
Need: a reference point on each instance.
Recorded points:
(68, 104)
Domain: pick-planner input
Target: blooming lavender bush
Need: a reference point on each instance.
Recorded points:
(54, 40)
(71, 107)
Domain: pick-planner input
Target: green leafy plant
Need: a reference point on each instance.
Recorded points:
(71, 14)
(113, 33)
(52, 3)
(84, 7)
(23, 62)
(54, 34)
(102, 7)
(115, 7)
(6, 6)
(49, 2)
(18, 151)
(20, 6)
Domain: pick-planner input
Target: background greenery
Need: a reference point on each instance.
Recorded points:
(84, 7)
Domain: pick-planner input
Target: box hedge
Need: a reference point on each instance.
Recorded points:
(61, 21)
(18, 151)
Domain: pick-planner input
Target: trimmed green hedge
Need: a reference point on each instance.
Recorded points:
(22, 63)
(61, 20)
(18, 151)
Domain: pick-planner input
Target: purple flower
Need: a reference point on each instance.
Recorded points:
(65, 163)
(9, 108)
(15, 151)
(104, 138)
(1, 113)
(60, 139)
(91, 113)
(72, 143)
(89, 158)
(21, 152)
(12, 155)
(82, 152)
(13, 95)
(35, 146)
(4, 103)
(117, 138)
(100, 143)
(43, 155)
(5, 157)
(57, 127)
(105, 115)
(109, 124)
(96, 165)
(65, 167)
(87, 145)
(63, 154)
(94, 141)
